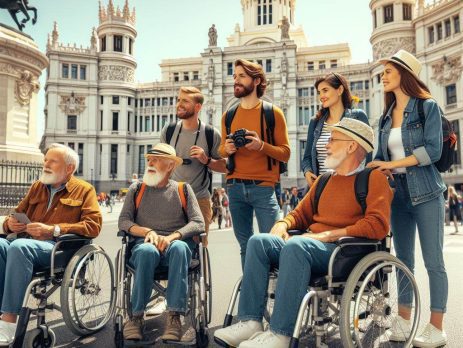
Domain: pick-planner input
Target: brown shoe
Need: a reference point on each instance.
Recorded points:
(133, 328)
(173, 329)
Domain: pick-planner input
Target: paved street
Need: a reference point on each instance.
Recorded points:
(226, 269)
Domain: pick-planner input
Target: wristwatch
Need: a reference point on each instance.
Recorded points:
(56, 231)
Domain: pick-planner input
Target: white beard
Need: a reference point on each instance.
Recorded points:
(333, 162)
(153, 179)
(50, 178)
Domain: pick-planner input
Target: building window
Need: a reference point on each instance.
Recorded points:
(129, 101)
(375, 20)
(128, 148)
(83, 72)
(103, 43)
(72, 123)
(264, 12)
(407, 12)
(439, 31)
(333, 63)
(176, 78)
(431, 34)
(140, 102)
(164, 120)
(71, 145)
(165, 101)
(171, 101)
(80, 152)
(302, 145)
(448, 30)
(74, 71)
(130, 46)
(129, 117)
(268, 65)
(115, 99)
(141, 159)
(186, 76)
(115, 121)
(310, 66)
(101, 120)
(321, 65)
(388, 13)
(367, 107)
(147, 123)
(304, 115)
(147, 102)
(65, 71)
(303, 92)
(451, 94)
(117, 43)
(356, 85)
(113, 159)
(195, 75)
(456, 24)
(312, 91)
(229, 68)
(378, 79)
(259, 61)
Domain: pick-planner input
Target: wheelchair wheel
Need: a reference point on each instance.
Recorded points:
(370, 301)
(208, 287)
(272, 284)
(87, 292)
(35, 339)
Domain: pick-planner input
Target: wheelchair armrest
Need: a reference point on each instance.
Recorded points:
(356, 241)
(122, 233)
(71, 237)
(296, 232)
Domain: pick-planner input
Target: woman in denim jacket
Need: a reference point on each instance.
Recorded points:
(407, 150)
(336, 102)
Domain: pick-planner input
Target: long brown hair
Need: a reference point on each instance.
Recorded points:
(409, 84)
(256, 72)
(335, 80)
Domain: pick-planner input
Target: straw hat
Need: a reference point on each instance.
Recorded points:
(357, 130)
(406, 60)
(165, 151)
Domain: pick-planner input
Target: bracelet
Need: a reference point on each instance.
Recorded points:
(262, 146)
(149, 232)
(284, 221)
(209, 159)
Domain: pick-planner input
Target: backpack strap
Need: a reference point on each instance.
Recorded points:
(183, 194)
(361, 187)
(421, 112)
(170, 132)
(319, 189)
(229, 117)
(270, 123)
(210, 144)
(141, 187)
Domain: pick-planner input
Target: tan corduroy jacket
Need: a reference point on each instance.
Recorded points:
(75, 208)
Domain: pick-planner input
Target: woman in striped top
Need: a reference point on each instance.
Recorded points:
(336, 100)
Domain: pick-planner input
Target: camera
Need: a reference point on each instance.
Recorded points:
(239, 138)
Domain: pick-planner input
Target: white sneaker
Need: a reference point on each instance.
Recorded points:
(235, 334)
(158, 308)
(400, 329)
(267, 339)
(431, 337)
(7, 331)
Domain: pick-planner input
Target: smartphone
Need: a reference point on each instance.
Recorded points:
(21, 217)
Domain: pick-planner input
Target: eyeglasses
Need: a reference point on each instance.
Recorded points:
(331, 139)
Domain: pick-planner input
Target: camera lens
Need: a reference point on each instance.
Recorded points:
(239, 142)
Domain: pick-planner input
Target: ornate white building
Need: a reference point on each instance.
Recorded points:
(94, 105)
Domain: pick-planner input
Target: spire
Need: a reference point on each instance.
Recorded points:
(118, 12)
(93, 39)
(55, 35)
(101, 12)
(133, 16)
(110, 8)
(126, 10)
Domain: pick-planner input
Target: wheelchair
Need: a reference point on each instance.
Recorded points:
(85, 276)
(356, 300)
(199, 294)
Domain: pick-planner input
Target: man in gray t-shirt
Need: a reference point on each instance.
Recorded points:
(190, 143)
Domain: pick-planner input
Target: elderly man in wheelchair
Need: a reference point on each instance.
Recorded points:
(56, 206)
(325, 218)
(161, 216)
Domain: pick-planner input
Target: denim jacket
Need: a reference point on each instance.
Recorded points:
(310, 161)
(425, 143)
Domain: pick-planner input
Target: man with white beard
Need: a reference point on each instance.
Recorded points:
(161, 234)
(338, 215)
(56, 204)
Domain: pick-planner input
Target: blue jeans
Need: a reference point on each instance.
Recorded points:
(297, 259)
(17, 261)
(146, 258)
(244, 200)
(429, 217)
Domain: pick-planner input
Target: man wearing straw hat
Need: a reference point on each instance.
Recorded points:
(162, 233)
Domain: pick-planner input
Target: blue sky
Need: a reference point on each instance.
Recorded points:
(178, 28)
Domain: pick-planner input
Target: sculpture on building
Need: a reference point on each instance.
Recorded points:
(284, 28)
(93, 39)
(284, 70)
(72, 104)
(212, 36)
(447, 71)
(210, 76)
(25, 86)
(15, 6)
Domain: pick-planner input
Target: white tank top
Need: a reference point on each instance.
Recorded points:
(396, 148)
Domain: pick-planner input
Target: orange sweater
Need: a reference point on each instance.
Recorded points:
(253, 164)
(338, 208)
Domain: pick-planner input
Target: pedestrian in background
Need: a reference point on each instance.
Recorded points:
(454, 207)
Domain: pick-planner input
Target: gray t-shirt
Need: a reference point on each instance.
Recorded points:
(161, 210)
(193, 173)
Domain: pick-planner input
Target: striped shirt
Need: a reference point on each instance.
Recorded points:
(321, 149)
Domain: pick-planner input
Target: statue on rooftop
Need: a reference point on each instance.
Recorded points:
(15, 6)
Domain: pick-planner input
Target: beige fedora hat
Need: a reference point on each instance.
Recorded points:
(357, 130)
(406, 60)
(166, 151)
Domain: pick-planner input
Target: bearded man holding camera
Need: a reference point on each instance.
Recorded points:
(253, 154)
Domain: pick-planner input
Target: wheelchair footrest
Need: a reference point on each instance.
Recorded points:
(133, 343)
(181, 343)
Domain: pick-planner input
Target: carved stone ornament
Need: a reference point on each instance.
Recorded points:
(72, 104)
(447, 71)
(387, 48)
(25, 86)
(116, 73)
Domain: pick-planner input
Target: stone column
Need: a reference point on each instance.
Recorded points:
(21, 64)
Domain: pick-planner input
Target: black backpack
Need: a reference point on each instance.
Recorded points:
(210, 144)
(267, 112)
(449, 139)
(360, 186)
